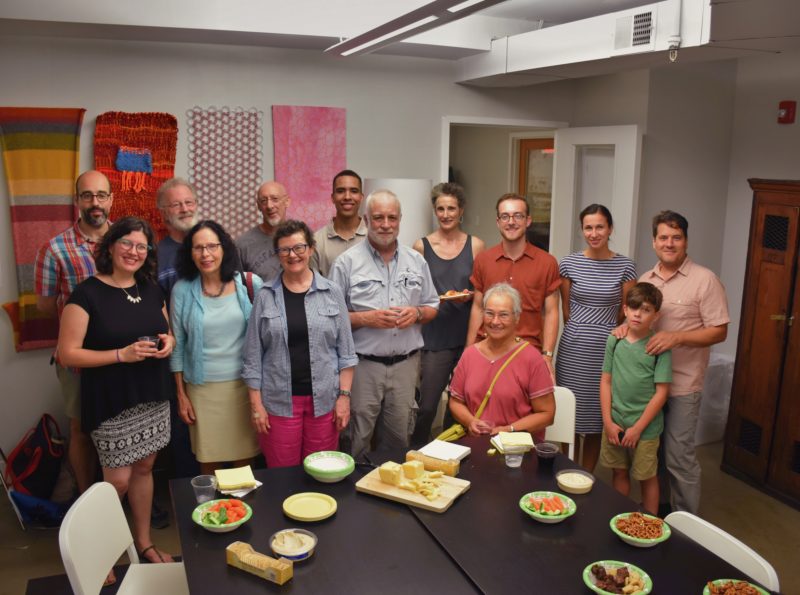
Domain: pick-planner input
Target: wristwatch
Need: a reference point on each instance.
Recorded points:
(419, 313)
(344, 393)
(546, 353)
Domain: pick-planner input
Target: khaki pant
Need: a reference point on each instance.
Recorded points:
(382, 403)
(680, 455)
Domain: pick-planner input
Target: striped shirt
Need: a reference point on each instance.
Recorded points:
(62, 263)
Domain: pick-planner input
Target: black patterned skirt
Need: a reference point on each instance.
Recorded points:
(133, 435)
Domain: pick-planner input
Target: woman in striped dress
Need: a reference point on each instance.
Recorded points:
(594, 283)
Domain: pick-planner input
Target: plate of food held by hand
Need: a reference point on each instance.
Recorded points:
(453, 294)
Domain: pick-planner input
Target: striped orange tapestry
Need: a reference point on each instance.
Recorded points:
(40, 154)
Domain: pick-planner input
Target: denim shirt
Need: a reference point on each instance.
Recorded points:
(266, 346)
(186, 320)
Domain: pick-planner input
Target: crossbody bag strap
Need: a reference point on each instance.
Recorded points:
(496, 376)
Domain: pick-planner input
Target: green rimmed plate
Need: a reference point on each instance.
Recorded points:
(637, 541)
(722, 581)
(527, 507)
(197, 517)
(588, 577)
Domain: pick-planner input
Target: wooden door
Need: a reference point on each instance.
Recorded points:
(765, 325)
(784, 468)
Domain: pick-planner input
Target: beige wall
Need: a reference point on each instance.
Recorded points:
(394, 108)
(760, 148)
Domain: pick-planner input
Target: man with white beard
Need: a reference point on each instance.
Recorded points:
(390, 295)
(177, 201)
(255, 245)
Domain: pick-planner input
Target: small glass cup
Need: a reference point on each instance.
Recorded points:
(513, 459)
(152, 339)
(205, 488)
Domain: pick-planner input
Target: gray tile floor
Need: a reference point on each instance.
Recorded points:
(767, 525)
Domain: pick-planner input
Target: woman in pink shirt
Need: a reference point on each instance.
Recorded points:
(522, 398)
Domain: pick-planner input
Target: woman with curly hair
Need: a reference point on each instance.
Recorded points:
(114, 329)
(210, 308)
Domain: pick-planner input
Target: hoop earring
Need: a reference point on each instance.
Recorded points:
(461, 219)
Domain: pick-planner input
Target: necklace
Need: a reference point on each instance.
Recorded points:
(212, 295)
(130, 298)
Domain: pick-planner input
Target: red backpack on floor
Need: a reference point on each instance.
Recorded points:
(35, 463)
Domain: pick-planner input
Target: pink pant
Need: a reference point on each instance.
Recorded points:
(291, 439)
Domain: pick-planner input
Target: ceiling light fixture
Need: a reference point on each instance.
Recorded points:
(433, 14)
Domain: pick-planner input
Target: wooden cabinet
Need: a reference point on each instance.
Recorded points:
(762, 439)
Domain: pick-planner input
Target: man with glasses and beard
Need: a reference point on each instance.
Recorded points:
(255, 245)
(528, 269)
(61, 264)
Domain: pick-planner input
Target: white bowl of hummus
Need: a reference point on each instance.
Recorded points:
(293, 544)
(575, 481)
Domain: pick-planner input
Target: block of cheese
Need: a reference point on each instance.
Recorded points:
(391, 473)
(234, 479)
(450, 467)
(413, 469)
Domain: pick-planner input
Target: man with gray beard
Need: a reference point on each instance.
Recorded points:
(177, 201)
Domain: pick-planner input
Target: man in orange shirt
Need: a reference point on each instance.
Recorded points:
(530, 270)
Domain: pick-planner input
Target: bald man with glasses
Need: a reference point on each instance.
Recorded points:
(255, 245)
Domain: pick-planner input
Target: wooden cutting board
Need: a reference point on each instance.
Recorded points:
(450, 488)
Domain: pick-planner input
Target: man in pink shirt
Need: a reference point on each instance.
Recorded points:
(694, 316)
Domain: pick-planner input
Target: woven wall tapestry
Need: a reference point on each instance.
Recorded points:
(225, 158)
(40, 154)
(310, 146)
(136, 151)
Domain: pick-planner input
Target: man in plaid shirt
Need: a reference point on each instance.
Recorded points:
(62, 263)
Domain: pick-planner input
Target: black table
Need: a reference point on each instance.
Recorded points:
(483, 543)
(369, 545)
(503, 550)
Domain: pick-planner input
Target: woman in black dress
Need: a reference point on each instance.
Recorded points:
(125, 380)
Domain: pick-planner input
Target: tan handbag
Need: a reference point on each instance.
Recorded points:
(457, 431)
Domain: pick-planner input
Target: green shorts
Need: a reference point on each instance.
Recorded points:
(70, 382)
(642, 460)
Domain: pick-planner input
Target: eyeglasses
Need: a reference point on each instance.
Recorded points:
(127, 245)
(503, 316)
(518, 217)
(298, 249)
(271, 199)
(189, 204)
(212, 248)
(100, 196)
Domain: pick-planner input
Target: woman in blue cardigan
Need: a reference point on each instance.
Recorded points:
(211, 305)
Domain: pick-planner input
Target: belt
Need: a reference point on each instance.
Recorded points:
(387, 360)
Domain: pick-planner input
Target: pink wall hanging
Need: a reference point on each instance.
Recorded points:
(310, 147)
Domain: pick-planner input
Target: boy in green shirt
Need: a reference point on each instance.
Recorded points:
(633, 390)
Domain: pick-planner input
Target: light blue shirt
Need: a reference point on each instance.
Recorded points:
(223, 338)
(370, 284)
(266, 347)
(186, 318)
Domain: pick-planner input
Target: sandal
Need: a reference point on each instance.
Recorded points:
(110, 579)
(147, 560)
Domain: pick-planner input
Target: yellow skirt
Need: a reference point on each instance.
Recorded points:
(222, 430)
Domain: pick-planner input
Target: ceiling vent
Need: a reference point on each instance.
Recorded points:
(634, 32)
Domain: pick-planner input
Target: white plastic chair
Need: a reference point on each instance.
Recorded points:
(93, 535)
(563, 428)
(726, 546)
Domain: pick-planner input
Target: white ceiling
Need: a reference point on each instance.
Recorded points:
(737, 26)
